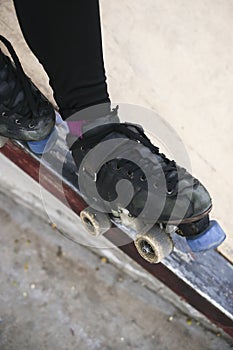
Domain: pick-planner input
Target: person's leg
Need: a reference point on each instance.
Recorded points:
(65, 36)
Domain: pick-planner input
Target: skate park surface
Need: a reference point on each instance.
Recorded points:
(176, 60)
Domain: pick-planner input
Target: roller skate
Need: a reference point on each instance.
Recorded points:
(25, 113)
(164, 197)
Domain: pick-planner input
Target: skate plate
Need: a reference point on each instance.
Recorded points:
(155, 244)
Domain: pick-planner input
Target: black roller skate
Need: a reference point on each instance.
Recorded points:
(164, 197)
(25, 113)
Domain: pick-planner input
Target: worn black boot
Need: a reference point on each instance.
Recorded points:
(108, 151)
(25, 113)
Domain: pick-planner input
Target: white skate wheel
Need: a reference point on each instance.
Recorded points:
(95, 222)
(154, 245)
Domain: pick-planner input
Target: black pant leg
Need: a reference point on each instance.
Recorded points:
(66, 38)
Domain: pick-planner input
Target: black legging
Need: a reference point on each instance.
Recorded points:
(65, 36)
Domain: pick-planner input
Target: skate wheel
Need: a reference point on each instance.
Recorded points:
(154, 245)
(3, 141)
(95, 222)
(210, 238)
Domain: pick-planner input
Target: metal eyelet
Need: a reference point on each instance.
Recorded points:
(142, 178)
(169, 192)
(31, 125)
(130, 174)
(17, 121)
(82, 148)
(4, 114)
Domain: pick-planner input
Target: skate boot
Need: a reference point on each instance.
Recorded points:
(25, 114)
(163, 195)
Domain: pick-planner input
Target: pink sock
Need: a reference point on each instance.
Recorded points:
(75, 127)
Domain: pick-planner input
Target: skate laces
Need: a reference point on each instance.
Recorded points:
(89, 140)
(29, 105)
